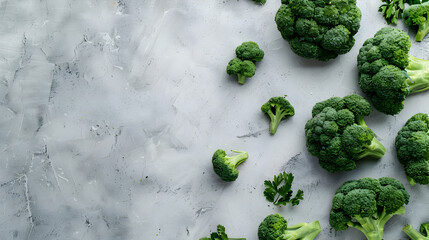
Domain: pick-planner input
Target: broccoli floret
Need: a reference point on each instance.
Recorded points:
(414, 235)
(243, 69)
(262, 2)
(418, 15)
(220, 235)
(225, 167)
(274, 227)
(249, 51)
(319, 29)
(338, 135)
(277, 108)
(388, 73)
(412, 148)
(367, 204)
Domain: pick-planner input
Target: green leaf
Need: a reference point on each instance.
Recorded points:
(279, 191)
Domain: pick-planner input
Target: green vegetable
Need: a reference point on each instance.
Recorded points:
(243, 69)
(249, 51)
(243, 65)
(392, 9)
(338, 135)
(414, 235)
(417, 15)
(220, 235)
(319, 29)
(412, 148)
(262, 2)
(225, 167)
(279, 191)
(388, 73)
(278, 109)
(367, 204)
(274, 227)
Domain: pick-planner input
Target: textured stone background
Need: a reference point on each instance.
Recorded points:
(110, 112)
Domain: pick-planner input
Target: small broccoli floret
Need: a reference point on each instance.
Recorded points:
(319, 29)
(418, 15)
(388, 73)
(262, 2)
(412, 148)
(338, 135)
(277, 108)
(249, 51)
(274, 227)
(220, 235)
(414, 235)
(243, 69)
(367, 204)
(225, 167)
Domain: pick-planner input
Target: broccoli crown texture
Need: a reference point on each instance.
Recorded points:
(274, 227)
(277, 108)
(225, 166)
(249, 51)
(417, 15)
(414, 235)
(388, 73)
(412, 148)
(319, 29)
(367, 204)
(243, 69)
(338, 135)
(220, 235)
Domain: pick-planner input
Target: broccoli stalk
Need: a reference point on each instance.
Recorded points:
(414, 235)
(423, 30)
(225, 166)
(374, 150)
(277, 108)
(418, 75)
(373, 227)
(304, 231)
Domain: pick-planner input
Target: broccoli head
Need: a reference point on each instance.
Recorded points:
(274, 227)
(367, 204)
(243, 69)
(338, 135)
(220, 235)
(319, 29)
(225, 166)
(277, 108)
(414, 235)
(388, 73)
(418, 15)
(412, 148)
(249, 51)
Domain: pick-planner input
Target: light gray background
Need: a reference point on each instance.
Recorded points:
(111, 110)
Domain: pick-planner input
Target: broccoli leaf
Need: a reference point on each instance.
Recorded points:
(279, 191)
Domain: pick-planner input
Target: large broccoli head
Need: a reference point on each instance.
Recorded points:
(319, 29)
(388, 73)
(277, 108)
(226, 167)
(338, 135)
(367, 204)
(274, 227)
(412, 148)
(418, 15)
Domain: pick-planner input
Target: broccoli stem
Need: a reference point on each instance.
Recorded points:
(412, 233)
(237, 159)
(360, 121)
(373, 227)
(276, 118)
(241, 79)
(423, 30)
(418, 73)
(411, 181)
(375, 150)
(304, 231)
